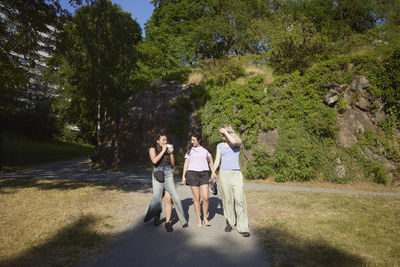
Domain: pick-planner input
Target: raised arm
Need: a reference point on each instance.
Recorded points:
(156, 158)
(233, 138)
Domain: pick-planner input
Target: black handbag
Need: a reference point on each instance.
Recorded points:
(159, 174)
(213, 187)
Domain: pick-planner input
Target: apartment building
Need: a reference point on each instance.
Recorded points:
(38, 87)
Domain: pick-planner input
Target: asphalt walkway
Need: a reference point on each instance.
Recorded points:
(145, 244)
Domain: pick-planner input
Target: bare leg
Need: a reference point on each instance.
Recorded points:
(204, 197)
(168, 206)
(196, 200)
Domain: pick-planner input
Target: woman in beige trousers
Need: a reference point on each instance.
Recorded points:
(230, 181)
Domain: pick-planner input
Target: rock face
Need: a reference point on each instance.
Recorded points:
(362, 111)
(358, 111)
(331, 98)
(266, 140)
(165, 108)
(351, 122)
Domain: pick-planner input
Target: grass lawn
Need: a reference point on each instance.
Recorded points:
(61, 222)
(20, 151)
(322, 229)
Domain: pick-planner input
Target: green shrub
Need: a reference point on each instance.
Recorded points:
(341, 105)
(238, 105)
(261, 167)
(373, 170)
(71, 136)
(230, 72)
(388, 81)
(298, 156)
(377, 171)
(180, 75)
(378, 145)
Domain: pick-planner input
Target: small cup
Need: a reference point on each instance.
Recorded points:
(169, 147)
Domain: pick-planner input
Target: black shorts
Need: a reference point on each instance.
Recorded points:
(195, 178)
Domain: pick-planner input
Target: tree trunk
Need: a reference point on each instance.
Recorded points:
(1, 147)
(99, 118)
(115, 142)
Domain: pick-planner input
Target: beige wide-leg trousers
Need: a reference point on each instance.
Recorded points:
(230, 185)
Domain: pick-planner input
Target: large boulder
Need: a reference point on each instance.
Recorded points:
(165, 108)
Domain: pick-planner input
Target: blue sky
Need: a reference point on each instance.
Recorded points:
(140, 10)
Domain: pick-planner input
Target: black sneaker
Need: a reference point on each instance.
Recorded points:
(156, 220)
(245, 234)
(146, 218)
(168, 227)
(185, 225)
(228, 227)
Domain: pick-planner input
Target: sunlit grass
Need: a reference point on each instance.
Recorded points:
(195, 77)
(266, 71)
(321, 229)
(361, 51)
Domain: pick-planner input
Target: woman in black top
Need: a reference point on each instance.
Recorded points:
(163, 160)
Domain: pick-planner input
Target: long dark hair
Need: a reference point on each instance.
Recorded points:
(156, 146)
(158, 149)
(199, 138)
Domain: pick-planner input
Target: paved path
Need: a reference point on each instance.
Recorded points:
(149, 245)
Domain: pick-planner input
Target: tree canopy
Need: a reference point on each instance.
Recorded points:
(183, 32)
(96, 61)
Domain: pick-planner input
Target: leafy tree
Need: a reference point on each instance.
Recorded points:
(96, 62)
(169, 43)
(180, 33)
(293, 44)
(227, 28)
(336, 18)
(19, 36)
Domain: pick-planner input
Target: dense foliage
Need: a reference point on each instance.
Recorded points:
(181, 33)
(306, 148)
